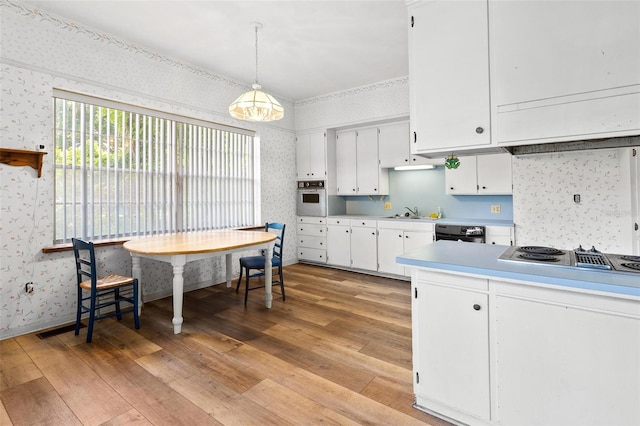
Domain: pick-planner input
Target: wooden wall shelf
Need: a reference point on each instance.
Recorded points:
(21, 157)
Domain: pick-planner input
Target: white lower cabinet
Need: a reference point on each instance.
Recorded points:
(311, 239)
(501, 235)
(397, 237)
(364, 245)
(339, 242)
(490, 352)
(352, 243)
(450, 318)
(566, 360)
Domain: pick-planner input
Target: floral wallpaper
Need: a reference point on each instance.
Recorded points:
(544, 209)
(40, 52)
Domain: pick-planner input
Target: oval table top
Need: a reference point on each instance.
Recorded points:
(197, 242)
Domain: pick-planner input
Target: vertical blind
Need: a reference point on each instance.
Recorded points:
(124, 171)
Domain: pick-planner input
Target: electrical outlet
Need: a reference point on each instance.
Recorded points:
(495, 208)
(387, 206)
(28, 287)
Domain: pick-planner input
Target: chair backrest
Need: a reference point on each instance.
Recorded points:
(279, 231)
(85, 261)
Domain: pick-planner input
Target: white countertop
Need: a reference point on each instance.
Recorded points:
(482, 260)
(445, 220)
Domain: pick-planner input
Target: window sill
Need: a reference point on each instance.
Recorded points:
(119, 241)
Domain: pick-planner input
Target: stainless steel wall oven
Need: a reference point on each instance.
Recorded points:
(312, 198)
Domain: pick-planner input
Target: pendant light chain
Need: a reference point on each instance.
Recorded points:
(256, 54)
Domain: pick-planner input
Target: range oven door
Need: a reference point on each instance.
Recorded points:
(311, 202)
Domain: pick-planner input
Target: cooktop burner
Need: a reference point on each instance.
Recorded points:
(634, 266)
(548, 251)
(630, 258)
(539, 257)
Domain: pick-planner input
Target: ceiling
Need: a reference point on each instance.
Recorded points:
(306, 48)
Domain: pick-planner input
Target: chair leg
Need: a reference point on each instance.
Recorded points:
(92, 315)
(281, 281)
(136, 317)
(246, 288)
(116, 295)
(239, 278)
(79, 311)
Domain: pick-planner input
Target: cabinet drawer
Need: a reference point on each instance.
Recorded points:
(338, 221)
(313, 220)
(311, 241)
(312, 229)
(453, 280)
(364, 223)
(313, 255)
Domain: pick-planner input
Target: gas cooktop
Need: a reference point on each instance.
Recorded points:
(578, 258)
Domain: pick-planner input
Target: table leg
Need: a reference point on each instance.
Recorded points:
(229, 267)
(178, 263)
(136, 271)
(268, 274)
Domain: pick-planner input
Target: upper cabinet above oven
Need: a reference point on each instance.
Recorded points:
(311, 149)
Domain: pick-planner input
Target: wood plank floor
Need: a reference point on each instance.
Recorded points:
(337, 351)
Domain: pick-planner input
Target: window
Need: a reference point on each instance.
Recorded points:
(124, 171)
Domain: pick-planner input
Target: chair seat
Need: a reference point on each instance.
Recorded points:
(108, 282)
(257, 262)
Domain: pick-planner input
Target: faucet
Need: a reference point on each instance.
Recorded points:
(414, 212)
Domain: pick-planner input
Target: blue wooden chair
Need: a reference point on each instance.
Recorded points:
(96, 293)
(257, 262)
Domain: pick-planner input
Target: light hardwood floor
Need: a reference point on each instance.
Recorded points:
(337, 351)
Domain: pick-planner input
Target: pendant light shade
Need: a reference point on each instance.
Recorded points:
(256, 105)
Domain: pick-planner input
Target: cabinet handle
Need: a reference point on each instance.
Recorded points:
(451, 188)
(415, 137)
(400, 236)
(479, 130)
(476, 307)
(484, 187)
(347, 231)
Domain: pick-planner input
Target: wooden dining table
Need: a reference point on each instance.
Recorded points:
(180, 248)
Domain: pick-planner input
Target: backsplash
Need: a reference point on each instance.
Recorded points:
(425, 189)
(544, 209)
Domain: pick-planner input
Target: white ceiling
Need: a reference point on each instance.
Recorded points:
(306, 48)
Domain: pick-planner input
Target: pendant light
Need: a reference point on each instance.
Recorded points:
(256, 105)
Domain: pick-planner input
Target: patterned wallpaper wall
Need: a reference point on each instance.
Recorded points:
(39, 52)
(544, 210)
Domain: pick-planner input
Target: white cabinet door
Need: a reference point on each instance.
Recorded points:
(367, 165)
(390, 246)
(364, 253)
(339, 244)
(565, 365)
(393, 145)
(346, 163)
(501, 235)
(564, 70)
(449, 69)
(462, 180)
(494, 174)
(482, 175)
(311, 155)
(302, 156)
(451, 347)
(317, 155)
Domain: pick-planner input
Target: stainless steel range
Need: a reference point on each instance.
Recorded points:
(578, 258)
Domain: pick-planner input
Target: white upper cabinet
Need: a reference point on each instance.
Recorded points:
(358, 169)
(564, 70)
(311, 155)
(480, 175)
(394, 146)
(449, 69)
